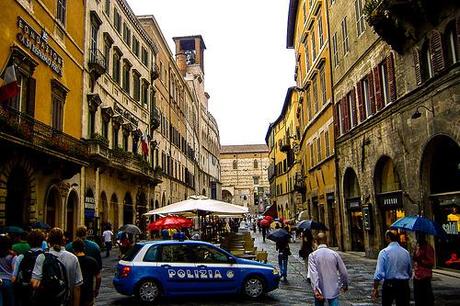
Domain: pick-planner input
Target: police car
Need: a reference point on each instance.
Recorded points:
(179, 268)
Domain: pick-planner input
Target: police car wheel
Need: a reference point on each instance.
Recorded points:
(253, 287)
(148, 291)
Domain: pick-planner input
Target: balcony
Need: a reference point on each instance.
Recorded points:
(154, 73)
(98, 149)
(401, 23)
(97, 64)
(154, 118)
(24, 129)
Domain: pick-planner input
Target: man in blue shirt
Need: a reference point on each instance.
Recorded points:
(394, 268)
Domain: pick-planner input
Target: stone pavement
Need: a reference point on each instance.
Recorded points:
(295, 291)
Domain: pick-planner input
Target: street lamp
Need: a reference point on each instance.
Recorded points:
(417, 114)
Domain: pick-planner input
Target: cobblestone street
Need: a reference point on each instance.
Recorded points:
(293, 292)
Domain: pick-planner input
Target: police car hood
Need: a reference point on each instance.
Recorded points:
(252, 262)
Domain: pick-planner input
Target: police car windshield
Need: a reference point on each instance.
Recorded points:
(132, 252)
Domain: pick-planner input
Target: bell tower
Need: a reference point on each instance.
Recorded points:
(190, 48)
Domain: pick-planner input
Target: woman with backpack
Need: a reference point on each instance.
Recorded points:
(24, 267)
(7, 262)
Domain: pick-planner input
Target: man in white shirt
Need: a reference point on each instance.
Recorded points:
(107, 237)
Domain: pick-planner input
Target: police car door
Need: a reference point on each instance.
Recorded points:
(176, 267)
(218, 273)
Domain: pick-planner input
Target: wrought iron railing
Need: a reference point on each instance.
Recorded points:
(97, 61)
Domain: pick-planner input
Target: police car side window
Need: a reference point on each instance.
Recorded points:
(152, 254)
(176, 253)
(206, 254)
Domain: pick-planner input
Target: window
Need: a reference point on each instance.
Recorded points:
(452, 56)
(360, 24)
(320, 30)
(136, 46)
(58, 97)
(91, 123)
(346, 46)
(256, 180)
(93, 39)
(61, 11)
(340, 116)
(145, 93)
(315, 95)
(256, 164)
(318, 147)
(135, 144)
(235, 164)
(322, 80)
(308, 104)
(116, 67)
(312, 156)
(384, 82)
(326, 141)
(176, 253)
(125, 141)
(107, 7)
(366, 99)
(304, 9)
(105, 128)
(351, 108)
(126, 34)
(126, 68)
(115, 131)
(107, 46)
(145, 56)
(117, 20)
(152, 254)
(24, 102)
(307, 58)
(335, 49)
(313, 46)
(137, 86)
(207, 254)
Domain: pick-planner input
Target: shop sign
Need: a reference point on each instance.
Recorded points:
(390, 199)
(354, 203)
(90, 203)
(89, 213)
(451, 228)
(38, 44)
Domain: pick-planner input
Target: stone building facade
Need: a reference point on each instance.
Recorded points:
(245, 177)
(397, 121)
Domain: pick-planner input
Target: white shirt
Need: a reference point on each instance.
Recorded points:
(107, 234)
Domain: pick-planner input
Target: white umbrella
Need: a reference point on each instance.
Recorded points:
(200, 203)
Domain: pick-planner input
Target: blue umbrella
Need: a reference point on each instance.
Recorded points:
(40, 225)
(419, 224)
(311, 225)
(279, 235)
(12, 229)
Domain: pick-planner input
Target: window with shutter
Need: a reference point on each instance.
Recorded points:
(437, 52)
(337, 119)
(451, 45)
(373, 107)
(384, 83)
(378, 89)
(418, 68)
(351, 108)
(346, 116)
(361, 105)
(391, 78)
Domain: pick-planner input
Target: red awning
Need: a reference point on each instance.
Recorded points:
(271, 211)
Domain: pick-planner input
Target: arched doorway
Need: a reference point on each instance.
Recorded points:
(103, 209)
(128, 217)
(352, 197)
(441, 178)
(17, 198)
(203, 192)
(71, 213)
(113, 212)
(227, 196)
(141, 209)
(53, 207)
(388, 194)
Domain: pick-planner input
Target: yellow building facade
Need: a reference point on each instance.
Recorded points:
(40, 127)
(307, 34)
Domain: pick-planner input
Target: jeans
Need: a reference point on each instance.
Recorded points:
(283, 263)
(6, 293)
(108, 247)
(330, 302)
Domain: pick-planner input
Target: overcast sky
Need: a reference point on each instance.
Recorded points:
(247, 66)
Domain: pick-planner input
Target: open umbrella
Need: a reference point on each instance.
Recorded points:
(264, 223)
(40, 225)
(269, 218)
(130, 229)
(13, 229)
(419, 224)
(170, 222)
(279, 235)
(311, 225)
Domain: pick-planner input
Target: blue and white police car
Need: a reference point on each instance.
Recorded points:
(179, 268)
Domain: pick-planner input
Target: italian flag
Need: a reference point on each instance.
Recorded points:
(9, 88)
(145, 147)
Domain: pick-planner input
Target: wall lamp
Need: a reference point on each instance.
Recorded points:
(417, 114)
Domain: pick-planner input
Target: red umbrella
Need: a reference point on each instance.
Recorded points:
(265, 223)
(269, 218)
(170, 222)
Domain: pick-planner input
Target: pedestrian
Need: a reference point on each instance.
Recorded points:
(25, 263)
(423, 264)
(91, 274)
(7, 263)
(107, 238)
(306, 247)
(394, 269)
(49, 267)
(20, 246)
(327, 272)
(264, 233)
(91, 248)
(282, 246)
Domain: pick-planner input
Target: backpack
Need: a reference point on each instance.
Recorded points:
(54, 286)
(26, 267)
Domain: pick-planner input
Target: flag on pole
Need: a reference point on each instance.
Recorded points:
(145, 147)
(10, 88)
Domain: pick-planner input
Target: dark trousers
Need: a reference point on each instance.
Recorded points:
(395, 290)
(423, 293)
(108, 247)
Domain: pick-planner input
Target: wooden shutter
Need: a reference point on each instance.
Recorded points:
(353, 107)
(418, 70)
(345, 112)
(361, 106)
(342, 117)
(370, 78)
(336, 119)
(437, 52)
(391, 77)
(378, 89)
(30, 106)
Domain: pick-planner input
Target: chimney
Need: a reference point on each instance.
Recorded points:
(181, 61)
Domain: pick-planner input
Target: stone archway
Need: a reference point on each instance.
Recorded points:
(227, 196)
(72, 213)
(141, 209)
(128, 209)
(353, 207)
(53, 207)
(19, 188)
